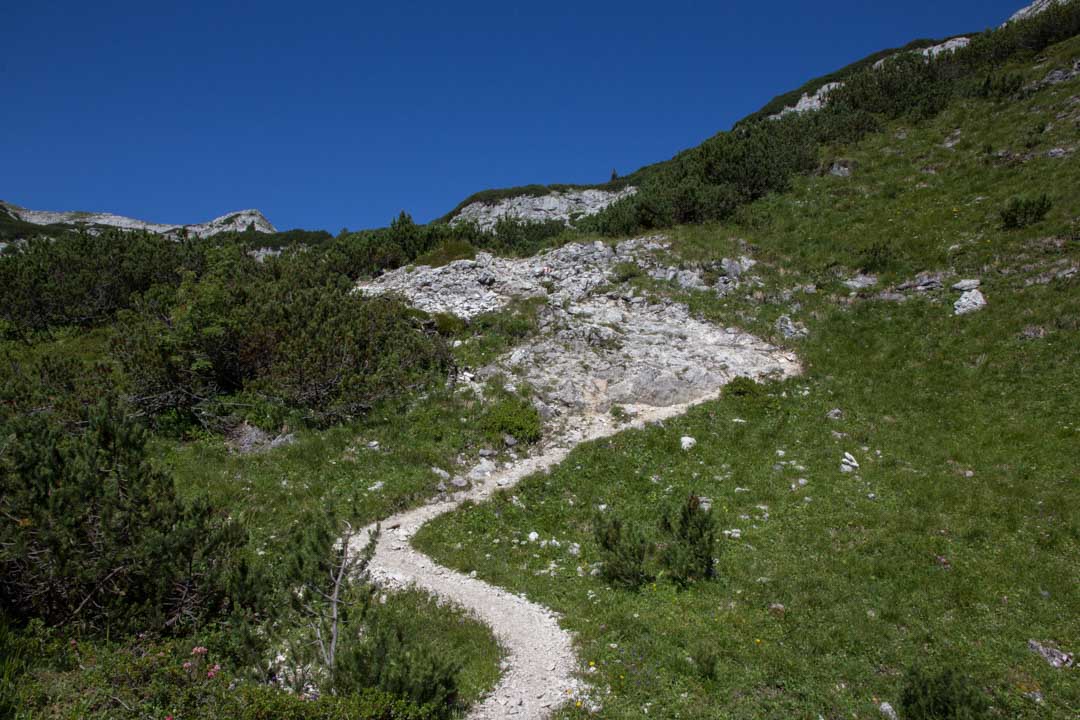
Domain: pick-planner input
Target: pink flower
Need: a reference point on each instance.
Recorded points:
(213, 672)
(199, 650)
(187, 665)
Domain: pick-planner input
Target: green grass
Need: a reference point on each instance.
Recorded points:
(958, 539)
(335, 468)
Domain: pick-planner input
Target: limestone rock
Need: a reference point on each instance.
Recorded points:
(969, 302)
(559, 206)
(1039, 6)
(809, 103)
(1056, 658)
(237, 221)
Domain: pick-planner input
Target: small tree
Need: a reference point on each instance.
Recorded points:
(614, 175)
(320, 571)
(691, 542)
(623, 551)
(91, 532)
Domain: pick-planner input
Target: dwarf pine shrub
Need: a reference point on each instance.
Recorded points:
(1022, 211)
(687, 554)
(943, 695)
(623, 551)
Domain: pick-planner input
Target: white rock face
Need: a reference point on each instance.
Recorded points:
(560, 206)
(237, 221)
(1032, 10)
(809, 103)
(949, 46)
(597, 346)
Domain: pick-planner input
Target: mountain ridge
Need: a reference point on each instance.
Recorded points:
(237, 221)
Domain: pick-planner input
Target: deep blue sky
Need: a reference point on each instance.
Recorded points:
(330, 116)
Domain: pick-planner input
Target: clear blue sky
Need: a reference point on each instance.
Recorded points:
(328, 115)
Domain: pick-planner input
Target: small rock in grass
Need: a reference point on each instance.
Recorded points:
(861, 282)
(1052, 655)
(440, 473)
(966, 285)
(887, 710)
(459, 482)
(487, 453)
(510, 441)
(534, 536)
(375, 487)
(835, 414)
(969, 302)
(790, 329)
(687, 443)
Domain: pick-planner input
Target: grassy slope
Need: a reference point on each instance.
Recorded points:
(774, 106)
(970, 544)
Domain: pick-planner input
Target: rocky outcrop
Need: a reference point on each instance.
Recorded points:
(600, 344)
(233, 222)
(949, 46)
(809, 103)
(817, 100)
(1039, 6)
(559, 206)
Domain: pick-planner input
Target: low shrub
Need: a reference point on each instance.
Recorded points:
(385, 659)
(95, 536)
(626, 271)
(743, 387)
(624, 552)
(690, 543)
(941, 695)
(446, 253)
(514, 416)
(1021, 211)
(881, 256)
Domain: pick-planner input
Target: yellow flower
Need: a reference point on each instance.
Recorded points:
(758, 641)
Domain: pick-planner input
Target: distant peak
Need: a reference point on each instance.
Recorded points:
(230, 222)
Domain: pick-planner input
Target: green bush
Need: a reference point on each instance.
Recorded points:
(385, 659)
(301, 340)
(1023, 211)
(447, 252)
(626, 271)
(743, 387)
(514, 416)
(624, 552)
(97, 537)
(944, 695)
(152, 678)
(690, 543)
(879, 257)
(82, 279)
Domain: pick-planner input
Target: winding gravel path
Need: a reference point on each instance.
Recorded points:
(541, 666)
(650, 356)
